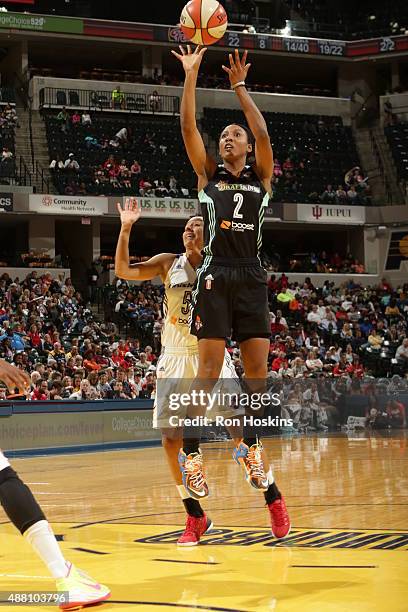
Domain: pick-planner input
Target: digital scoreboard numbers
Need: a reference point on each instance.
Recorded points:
(331, 47)
(296, 45)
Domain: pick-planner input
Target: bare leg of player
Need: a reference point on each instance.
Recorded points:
(250, 453)
(26, 515)
(211, 357)
(197, 522)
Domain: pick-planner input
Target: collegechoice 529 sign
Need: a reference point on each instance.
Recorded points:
(68, 205)
(167, 208)
(338, 214)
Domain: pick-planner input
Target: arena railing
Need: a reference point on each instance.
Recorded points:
(103, 101)
(7, 95)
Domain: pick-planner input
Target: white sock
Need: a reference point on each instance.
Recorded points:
(41, 537)
(182, 491)
(270, 477)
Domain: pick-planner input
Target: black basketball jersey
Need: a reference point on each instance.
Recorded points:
(233, 211)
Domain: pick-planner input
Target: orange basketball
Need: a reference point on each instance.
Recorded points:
(203, 22)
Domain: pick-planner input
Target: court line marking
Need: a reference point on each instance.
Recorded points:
(191, 562)
(175, 605)
(88, 550)
(338, 566)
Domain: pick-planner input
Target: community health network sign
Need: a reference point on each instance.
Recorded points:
(68, 205)
(338, 214)
(168, 208)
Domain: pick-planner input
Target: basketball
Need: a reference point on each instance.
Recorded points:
(203, 22)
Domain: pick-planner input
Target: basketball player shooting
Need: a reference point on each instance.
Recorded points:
(231, 297)
(178, 361)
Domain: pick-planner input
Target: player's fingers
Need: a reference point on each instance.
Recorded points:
(189, 49)
(231, 60)
(118, 206)
(227, 70)
(182, 50)
(176, 54)
(244, 58)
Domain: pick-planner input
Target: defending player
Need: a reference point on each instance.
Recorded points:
(178, 362)
(231, 295)
(24, 512)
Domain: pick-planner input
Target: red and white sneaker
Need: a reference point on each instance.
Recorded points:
(195, 528)
(280, 521)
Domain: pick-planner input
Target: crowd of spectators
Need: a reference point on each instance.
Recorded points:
(47, 329)
(103, 162)
(312, 262)
(326, 343)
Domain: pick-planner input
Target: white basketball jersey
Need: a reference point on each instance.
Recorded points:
(178, 285)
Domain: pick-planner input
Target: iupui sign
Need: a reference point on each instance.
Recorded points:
(336, 214)
(6, 202)
(167, 208)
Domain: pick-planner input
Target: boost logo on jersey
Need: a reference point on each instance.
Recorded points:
(236, 227)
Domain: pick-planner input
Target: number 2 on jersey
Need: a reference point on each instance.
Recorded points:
(239, 198)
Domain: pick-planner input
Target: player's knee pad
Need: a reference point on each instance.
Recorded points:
(18, 502)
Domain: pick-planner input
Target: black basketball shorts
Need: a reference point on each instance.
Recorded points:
(231, 300)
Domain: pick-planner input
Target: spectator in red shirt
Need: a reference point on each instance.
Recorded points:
(89, 362)
(40, 392)
(356, 369)
(279, 362)
(35, 338)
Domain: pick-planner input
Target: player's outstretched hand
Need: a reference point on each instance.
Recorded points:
(131, 211)
(191, 60)
(238, 69)
(13, 377)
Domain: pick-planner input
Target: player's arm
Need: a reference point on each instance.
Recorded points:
(237, 73)
(13, 377)
(204, 165)
(146, 270)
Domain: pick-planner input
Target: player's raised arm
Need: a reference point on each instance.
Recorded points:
(237, 72)
(203, 164)
(146, 270)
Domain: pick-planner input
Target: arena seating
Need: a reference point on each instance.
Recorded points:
(350, 20)
(321, 148)
(397, 136)
(156, 164)
(329, 337)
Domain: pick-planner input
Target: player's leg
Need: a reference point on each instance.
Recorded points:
(211, 356)
(197, 522)
(26, 515)
(254, 355)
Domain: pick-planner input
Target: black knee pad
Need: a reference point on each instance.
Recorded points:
(18, 502)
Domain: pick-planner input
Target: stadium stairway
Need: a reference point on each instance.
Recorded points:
(23, 146)
(378, 167)
(389, 165)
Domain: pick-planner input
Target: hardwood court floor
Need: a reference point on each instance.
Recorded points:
(118, 517)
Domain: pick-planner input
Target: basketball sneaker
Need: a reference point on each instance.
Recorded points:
(82, 589)
(251, 460)
(191, 467)
(195, 528)
(280, 521)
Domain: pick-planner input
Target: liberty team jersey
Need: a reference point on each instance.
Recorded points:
(233, 209)
(178, 285)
